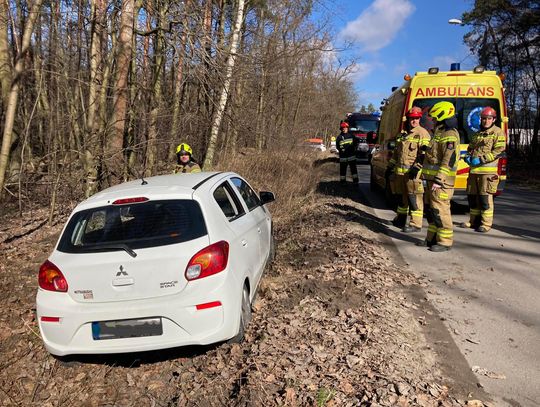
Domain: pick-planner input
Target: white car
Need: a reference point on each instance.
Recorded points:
(162, 262)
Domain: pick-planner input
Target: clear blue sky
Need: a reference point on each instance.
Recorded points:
(395, 37)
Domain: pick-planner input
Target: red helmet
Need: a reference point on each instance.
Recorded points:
(344, 125)
(488, 112)
(414, 112)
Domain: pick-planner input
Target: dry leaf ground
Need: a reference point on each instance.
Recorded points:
(332, 326)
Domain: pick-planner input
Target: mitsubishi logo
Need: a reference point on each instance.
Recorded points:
(121, 272)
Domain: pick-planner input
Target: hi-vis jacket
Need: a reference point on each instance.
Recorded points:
(347, 145)
(407, 149)
(487, 145)
(190, 167)
(442, 156)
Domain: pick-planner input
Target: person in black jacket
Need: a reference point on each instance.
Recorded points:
(347, 145)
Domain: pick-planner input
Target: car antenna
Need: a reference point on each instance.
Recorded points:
(141, 176)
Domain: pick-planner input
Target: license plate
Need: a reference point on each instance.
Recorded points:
(127, 328)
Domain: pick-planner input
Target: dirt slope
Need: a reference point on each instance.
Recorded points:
(332, 326)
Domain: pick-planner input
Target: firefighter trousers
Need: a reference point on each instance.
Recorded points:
(437, 208)
(345, 162)
(480, 191)
(411, 191)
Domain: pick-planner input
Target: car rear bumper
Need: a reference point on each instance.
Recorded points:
(182, 323)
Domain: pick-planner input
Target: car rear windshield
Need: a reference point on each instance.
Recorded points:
(467, 112)
(137, 226)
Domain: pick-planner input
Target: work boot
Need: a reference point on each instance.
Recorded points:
(423, 243)
(410, 229)
(399, 221)
(465, 225)
(439, 248)
(482, 229)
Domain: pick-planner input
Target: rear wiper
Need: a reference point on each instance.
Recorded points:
(120, 246)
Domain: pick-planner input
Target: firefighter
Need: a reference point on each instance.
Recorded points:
(184, 160)
(482, 156)
(439, 171)
(410, 149)
(347, 145)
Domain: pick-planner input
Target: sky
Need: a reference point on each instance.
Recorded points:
(393, 37)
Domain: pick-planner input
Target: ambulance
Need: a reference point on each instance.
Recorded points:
(469, 91)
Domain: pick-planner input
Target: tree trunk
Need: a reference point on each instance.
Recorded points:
(218, 115)
(91, 143)
(115, 157)
(5, 60)
(11, 108)
(155, 102)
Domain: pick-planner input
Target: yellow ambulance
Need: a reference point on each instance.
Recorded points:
(469, 91)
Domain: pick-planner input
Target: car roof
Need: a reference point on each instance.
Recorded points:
(158, 187)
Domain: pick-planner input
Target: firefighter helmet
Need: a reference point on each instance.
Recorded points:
(488, 112)
(344, 125)
(184, 148)
(414, 112)
(442, 110)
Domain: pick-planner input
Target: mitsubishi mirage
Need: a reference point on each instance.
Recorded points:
(156, 263)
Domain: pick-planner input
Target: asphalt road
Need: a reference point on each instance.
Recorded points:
(487, 289)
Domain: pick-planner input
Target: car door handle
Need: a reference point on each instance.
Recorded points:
(259, 230)
(244, 242)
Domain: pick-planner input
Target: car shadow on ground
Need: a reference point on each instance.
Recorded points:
(137, 359)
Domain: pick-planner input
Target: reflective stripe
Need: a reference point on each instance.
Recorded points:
(500, 144)
(443, 195)
(400, 170)
(353, 158)
(483, 169)
(488, 213)
(418, 213)
(475, 212)
(402, 210)
(343, 160)
(445, 233)
(432, 228)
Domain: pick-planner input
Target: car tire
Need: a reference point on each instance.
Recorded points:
(245, 316)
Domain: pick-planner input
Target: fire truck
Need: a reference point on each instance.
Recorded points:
(364, 126)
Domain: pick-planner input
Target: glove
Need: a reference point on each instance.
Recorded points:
(475, 161)
(413, 172)
(467, 159)
(388, 172)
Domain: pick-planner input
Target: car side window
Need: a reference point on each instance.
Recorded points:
(228, 202)
(249, 196)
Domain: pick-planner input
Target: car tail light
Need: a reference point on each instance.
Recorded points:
(50, 319)
(125, 201)
(51, 278)
(210, 260)
(502, 166)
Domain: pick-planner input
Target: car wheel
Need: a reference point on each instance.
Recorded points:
(245, 316)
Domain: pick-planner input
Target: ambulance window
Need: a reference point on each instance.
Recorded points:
(467, 112)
